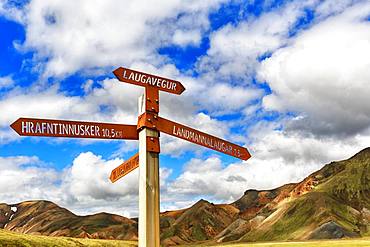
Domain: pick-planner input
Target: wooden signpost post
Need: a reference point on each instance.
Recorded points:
(147, 132)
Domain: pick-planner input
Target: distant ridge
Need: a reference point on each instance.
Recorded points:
(333, 202)
(47, 218)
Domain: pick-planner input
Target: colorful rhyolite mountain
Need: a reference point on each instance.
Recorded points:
(333, 202)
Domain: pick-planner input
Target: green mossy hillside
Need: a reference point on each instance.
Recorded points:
(12, 239)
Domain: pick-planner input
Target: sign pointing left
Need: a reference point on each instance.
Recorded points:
(147, 80)
(74, 129)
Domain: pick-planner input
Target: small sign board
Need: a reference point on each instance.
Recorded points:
(200, 138)
(73, 129)
(125, 168)
(148, 80)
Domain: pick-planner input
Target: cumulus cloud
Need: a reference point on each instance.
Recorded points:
(6, 82)
(183, 38)
(25, 178)
(111, 34)
(89, 177)
(333, 7)
(9, 10)
(115, 102)
(83, 187)
(112, 102)
(235, 49)
(320, 74)
(209, 179)
(278, 158)
(85, 35)
(222, 98)
(296, 148)
(86, 186)
(324, 75)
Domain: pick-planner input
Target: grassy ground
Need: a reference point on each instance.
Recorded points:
(362, 242)
(11, 239)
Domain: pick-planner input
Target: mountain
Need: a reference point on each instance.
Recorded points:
(333, 202)
(202, 221)
(46, 218)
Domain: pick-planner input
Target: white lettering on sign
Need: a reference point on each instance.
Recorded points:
(150, 80)
(60, 129)
(205, 140)
(68, 129)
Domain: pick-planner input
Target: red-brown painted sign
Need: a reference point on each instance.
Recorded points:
(63, 128)
(125, 168)
(144, 80)
(181, 131)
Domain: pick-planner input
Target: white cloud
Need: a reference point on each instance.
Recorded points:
(324, 75)
(91, 41)
(333, 7)
(223, 99)
(6, 82)
(86, 35)
(184, 38)
(25, 178)
(116, 102)
(209, 179)
(234, 49)
(278, 158)
(321, 74)
(10, 11)
(295, 148)
(112, 102)
(84, 187)
(88, 86)
(89, 177)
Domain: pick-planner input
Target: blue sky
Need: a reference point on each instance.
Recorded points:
(289, 80)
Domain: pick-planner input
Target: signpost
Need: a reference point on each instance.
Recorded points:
(147, 132)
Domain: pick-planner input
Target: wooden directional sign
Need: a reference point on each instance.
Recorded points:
(125, 168)
(147, 132)
(63, 128)
(144, 80)
(192, 135)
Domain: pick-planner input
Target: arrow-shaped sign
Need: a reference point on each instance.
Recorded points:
(63, 128)
(192, 135)
(125, 168)
(144, 80)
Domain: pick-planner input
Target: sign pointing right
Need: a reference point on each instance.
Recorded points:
(192, 135)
